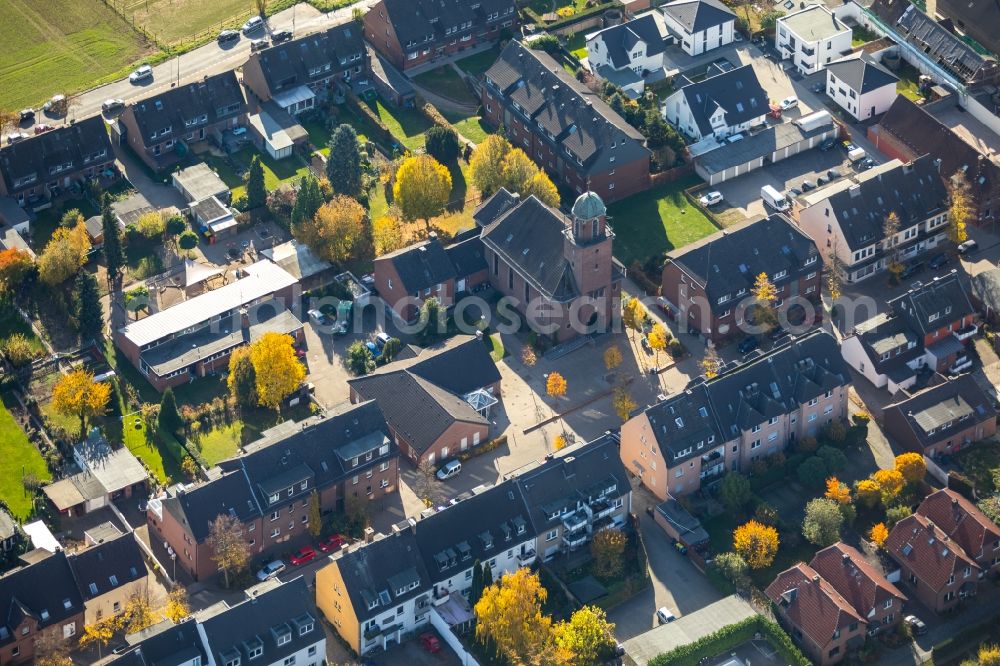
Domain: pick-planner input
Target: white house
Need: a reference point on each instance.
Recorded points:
(700, 25)
(860, 86)
(812, 37)
(720, 106)
(627, 53)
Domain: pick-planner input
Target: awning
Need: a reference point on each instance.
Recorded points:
(221, 225)
(195, 272)
(294, 96)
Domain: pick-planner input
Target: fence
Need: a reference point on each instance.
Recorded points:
(122, 9)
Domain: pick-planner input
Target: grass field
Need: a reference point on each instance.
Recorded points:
(472, 128)
(12, 322)
(221, 443)
(408, 125)
(178, 20)
(476, 65)
(61, 46)
(446, 82)
(20, 457)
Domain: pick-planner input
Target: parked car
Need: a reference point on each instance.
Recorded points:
(827, 144)
(279, 36)
(747, 345)
(711, 198)
(866, 164)
(318, 317)
(795, 191)
(259, 45)
(448, 470)
(142, 74)
(27, 115)
(818, 87)
(380, 339)
(968, 246)
(239, 130)
(808, 185)
(664, 615)
(112, 104)
(822, 180)
(374, 349)
(254, 24)
(938, 261)
(430, 642)
(915, 624)
(911, 270)
(42, 127)
(16, 136)
(789, 103)
(270, 570)
(303, 555)
(55, 106)
(228, 36)
(833, 174)
(332, 543)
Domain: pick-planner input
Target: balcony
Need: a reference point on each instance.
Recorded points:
(574, 521)
(440, 597)
(574, 541)
(964, 334)
(961, 364)
(527, 559)
(711, 472)
(600, 509)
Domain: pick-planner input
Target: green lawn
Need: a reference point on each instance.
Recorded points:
(446, 82)
(497, 351)
(47, 221)
(221, 443)
(862, 35)
(907, 85)
(471, 127)
(981, 463)
(20, 457)
(720, 532)
(577, 45)
(276, 172)
(407, 125)
(319, 133)
(12, 322)
(476, 65)
(637, 234)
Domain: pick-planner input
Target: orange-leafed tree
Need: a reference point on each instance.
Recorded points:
(878, 534)
(837, 491)
(756, 543)
(912, 466)
(555, 385)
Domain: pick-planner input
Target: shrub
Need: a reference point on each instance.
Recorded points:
(442, 144)
(812, 472)
(19, 350)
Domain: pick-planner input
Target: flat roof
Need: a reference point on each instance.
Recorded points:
(114, 469)
(297, 259)
(814, 23)
(263, 279)
(41, 536)
(763, 143)
(200, 182)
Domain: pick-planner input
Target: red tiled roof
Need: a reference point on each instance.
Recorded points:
(927, 551)
(811, 603)
(961, 520)
(854, 577)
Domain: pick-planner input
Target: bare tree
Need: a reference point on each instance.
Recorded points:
(261, 7)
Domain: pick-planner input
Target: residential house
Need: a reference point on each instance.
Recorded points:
(943, 418)
(268, 487)
(812, 37)
(966, 525)
(48, 165)
(848, 216)
(41, 599)
(108, 575)
(820, 620)
(297, 73)
(196, 337)
(933, 565)
(923, 330)
(907, 132)
(437, 403)
(629, 53)
(718, 106)
(408, 276)
(567, 129)
(162, 129)
(164, 643)
(557, 270)
(700, 25)
(749, 412)
(860, 86)
(410, 33)
(866, 588)
(974, 19)
(710, 282)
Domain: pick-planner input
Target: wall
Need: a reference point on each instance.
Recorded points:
(103, 607)
(445, 631)
(335, 604)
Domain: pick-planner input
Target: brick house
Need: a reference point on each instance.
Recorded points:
(347, 454)
(410, 33)
(437, 403)
(706, 283)
(108, 574)
(931, 564)
(862, 585)
(725, 423)
(42, 167)
(945, 417)
(569, 131)
(966, 525)
(161, 129)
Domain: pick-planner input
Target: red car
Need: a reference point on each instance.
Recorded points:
(430, 642)
(332, 543)
(305, 554)
(39, 128)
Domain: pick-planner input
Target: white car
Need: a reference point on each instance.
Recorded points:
(664, 615)
(110, 105)
(141, 74)
(711, 198)
(270, 570)
(789, 103)
(253, 25)
(448, 470)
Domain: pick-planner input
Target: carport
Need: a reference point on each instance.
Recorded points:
(773, 144)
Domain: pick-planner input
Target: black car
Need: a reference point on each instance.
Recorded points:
(747, 345)
(808, 185)
(938, 261)
(828, 144)
(27, 115)
(911, 270)
(777, 334)
(796, 191)
(228, 36)
(279, 36)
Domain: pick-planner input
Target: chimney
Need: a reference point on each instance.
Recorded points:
(369, 534)
(816, 578)
(846, 558)
(244, 319)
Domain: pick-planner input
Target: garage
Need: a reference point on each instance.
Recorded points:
(773, 144)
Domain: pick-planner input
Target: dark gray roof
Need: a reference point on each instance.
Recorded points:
(499, 203)
(312, 58)
(621, 39)
(698, 15)
(985, 288)
(169, 645)
(931, 306)
(421, 265)
(367, 570)
(417, 20)
(764, 143)
(466, 254)
(81, 144)
(197, 507)
(977, 18)
(891, 344)
(951, 403)
(45, 591)
(460, 365)
(573, 119)
(731, 259)
(107, 566)
(861, 73)
(737, 92)
(530, 238)
(184, 109)
(287, 609)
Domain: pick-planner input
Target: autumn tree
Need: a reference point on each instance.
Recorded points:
(559, 443)
(989, 654)
(15, 266)
(242, 380)
(277, 369)
(834, 272)
(542, 188)
(890, 483)
(890, 245)
(114, 252)
(98, 634)
(528, 356)
(765, 294)
(76, 394)
(315, 515)
(138, 612)
(608, 551)
(587, 636)
(555, 385)
(633, 314)
(177, 607)
(756, 543)
(151, 224)
(517, 169)
(343, 166)
(823, 521)
(52, 649)
(256, 192)
(422, 188)
(733, 568)
(623, 403)
(960, 208)
(878, 534)
(229, 548)
(89, 313)
(387, 235)
(336, 232)
(912, 466)
(612, 357)
(735, 492)
(711, 363)
(486, 164)
(509, 614)
(868, 492)
(64, 255)
(837, 491)
(658, 338)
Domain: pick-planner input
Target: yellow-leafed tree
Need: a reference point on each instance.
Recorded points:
(710, 362)
(229, 547)
(77, 394)
(878, 534)
(756, 543)
(542, 187)
(587, 636)
(989, 654)
(277, 370)
(177, 607)
(64, 254)
(337, 232)
(868, 492)
(658, 338)
(555, 385)
(612, 357)
(98, 634)
(422, 188)
(912, 466)
(387, 235)
(959, 208)
(890, 483)
(486, 164)
(608, 550)
(623, 403)
(509, 614)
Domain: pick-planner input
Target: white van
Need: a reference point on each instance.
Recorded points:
(448, 470)
(856, 154)
(774, 198)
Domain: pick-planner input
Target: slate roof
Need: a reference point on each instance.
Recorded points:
(952, 401)
(929, 553)
(49, 604)
(737, 92)
(461, 364)
(813, 24)
(107, 566)
(499, 203)
(466, 254)
(861, 73)
(977, 18)
(857, 581)
(934, 305)
(619, 40)
(570, 117)
(367, 570)
(197, 507)
(698, 15)
(884, 334)
(942, 46)
(731, 259)
(288, 65)
(81, 144)
(416, 20)
(421, 265)
(173, 645)
(214, 98)
(811, 604)
(962, 520)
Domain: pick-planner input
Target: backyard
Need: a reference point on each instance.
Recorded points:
(476, 65)
(445, 81)
(276, 172)
(12, 322)
(471, 127)
(20, 459)
(220, 443)
(408, 125)
(637, 238)
(908, 85)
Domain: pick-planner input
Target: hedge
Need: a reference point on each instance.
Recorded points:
(728, 637)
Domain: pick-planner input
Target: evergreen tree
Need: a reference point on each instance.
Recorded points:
(487, 575)
(169, 419)
(307, 201)
(256, 192)
(476, 590)
(114, 253)
(89, 314)
(343, 167)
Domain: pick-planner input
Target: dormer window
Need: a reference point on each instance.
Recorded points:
(274, 497)
(113, 580)
(67, 604)
(373, 604)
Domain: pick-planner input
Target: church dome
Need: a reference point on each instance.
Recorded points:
(588, 206)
